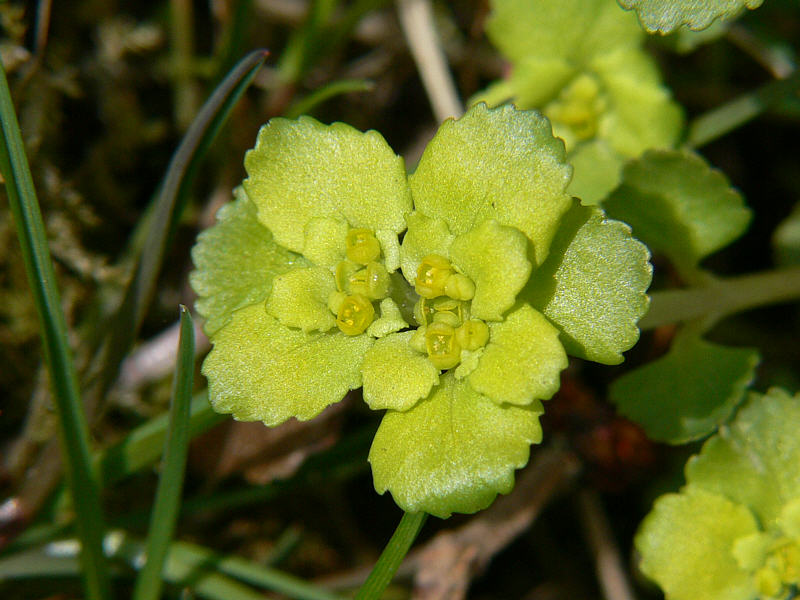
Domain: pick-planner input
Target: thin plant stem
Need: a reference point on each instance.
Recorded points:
(721, 120)
(73, 427)
(722, 297)
(392, 555)
(416, 19)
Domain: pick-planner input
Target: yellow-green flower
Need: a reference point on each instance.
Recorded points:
(458, 331)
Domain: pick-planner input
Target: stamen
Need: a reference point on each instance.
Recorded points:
(432, 275)
(473, 334)
(442, 346)
(355, 314)
(459, 287)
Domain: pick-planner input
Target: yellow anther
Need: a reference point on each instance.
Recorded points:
(447, 318)
(432, 275)
(355, 314)
(362, 246)
(372, 281)
(459, 287)
(473, 334)
(443, 348)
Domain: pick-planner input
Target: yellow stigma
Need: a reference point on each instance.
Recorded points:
(432, 275)
(362, 246)
(472, 334)
(442, 346)
(355, 314)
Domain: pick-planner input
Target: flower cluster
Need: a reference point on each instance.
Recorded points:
(733, 532)
(452, 296)
(581, 63)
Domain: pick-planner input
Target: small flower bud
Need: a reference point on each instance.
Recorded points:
(473, 334)
(362, 246)
(459, 287)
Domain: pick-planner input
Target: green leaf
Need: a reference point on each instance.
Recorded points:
(170, 482)
(395, 375)
(664, 16)
(501, 164)
(686, 544)
(641, 113)
(593, 285)
(236, 261)
(677, 204)
(494, 257)
(260, 370)
(74, 429)
(523, 360)
(325, 240)
(597, 171)
(452, 452)
(573, 29)
(299, 298)
(688, 393)
(755, 462)
(301, 170)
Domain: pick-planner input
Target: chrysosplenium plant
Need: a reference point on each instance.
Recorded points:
(452, 296)
(733, 532)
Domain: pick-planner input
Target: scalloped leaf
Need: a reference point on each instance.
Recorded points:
(593, 286)
(260, 370)
(664, 16)
(756, 462)
(597, 171)
(501, 164)
(686, 543)
(301, 170)
(688, 393)
(454, 451)
(523, 360)
(395, 375)
(236, 261)
(677, 204)
(299, 298)
(572, 29)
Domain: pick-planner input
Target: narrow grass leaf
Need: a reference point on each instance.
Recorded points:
(73, 427)
(392, 555)
(170, 483)
(166, 211)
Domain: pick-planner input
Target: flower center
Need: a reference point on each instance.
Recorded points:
(360, 280)
(577, 110)
(781, 570)
(445, 330)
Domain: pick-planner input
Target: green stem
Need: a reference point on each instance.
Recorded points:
(724, 119)
(74, 431)
(392, 556)
(723, 297)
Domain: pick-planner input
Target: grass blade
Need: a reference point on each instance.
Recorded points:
(392, 555)
(166, 211)
(170, 483)
(74, 433)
